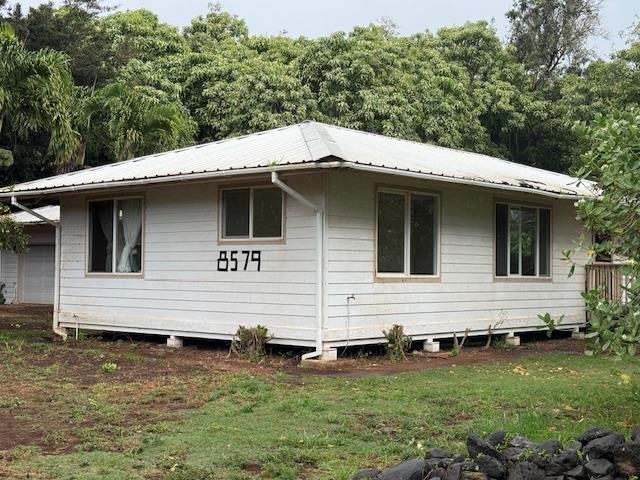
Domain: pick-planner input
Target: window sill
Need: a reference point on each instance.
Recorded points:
(406, 279)
(523, 279)
(114, 275)
(251, 241)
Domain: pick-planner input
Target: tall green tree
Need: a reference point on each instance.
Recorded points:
(36, 91)
(71, 28)
(135, 120)
(550, 36)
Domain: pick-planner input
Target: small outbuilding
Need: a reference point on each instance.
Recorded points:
(29, 278)
(325, 235)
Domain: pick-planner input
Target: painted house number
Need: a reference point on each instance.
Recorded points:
(228, 261)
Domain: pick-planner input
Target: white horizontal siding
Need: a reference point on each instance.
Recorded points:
(181, 291)
(465, 295)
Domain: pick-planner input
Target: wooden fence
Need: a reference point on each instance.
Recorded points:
(608, 278)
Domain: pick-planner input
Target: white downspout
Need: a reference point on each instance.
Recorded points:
(56, 285)
(320, 260)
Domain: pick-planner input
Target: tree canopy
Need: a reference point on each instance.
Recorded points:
(123, 83)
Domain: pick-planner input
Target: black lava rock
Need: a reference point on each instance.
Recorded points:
(573, 445)
(439, 472)
(454, 472)
(567, 459)
(526, 471)
(599, 467)
(576, 472)
(522, 442)
(553, 469)
(603, 447)
(491, 466)
(593, 433)
(635, 434)
(409, 470)
(366, 474)
(477, 446)
(551, 447)
(496, 439)
(513, 454)
(438, 453)
(627, 458)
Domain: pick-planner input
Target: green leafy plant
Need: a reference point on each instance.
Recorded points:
(250, 342)
(397, 343)
(550, 323)
(109, 367)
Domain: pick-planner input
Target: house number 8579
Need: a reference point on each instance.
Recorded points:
(234, 260)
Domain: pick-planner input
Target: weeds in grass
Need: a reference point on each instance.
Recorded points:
(250, 342)
(109, 367)
(398, 343)
(11, 403)
(550, 323)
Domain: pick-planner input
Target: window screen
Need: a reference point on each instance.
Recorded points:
(236, 212)
(423, 240)
(391, 213)
(101, 236)
(267, 212)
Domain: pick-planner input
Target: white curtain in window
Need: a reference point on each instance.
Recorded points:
(131, 226)
(106, 222)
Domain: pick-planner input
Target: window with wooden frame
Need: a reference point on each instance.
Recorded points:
(115, 236)
(523, 241)
(251, 213)
(407, 233)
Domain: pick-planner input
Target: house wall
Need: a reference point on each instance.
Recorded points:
(9, 275)
(11, 265)
(181, 292)
(466, 295)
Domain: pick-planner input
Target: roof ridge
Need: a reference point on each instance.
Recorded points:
(441, 147)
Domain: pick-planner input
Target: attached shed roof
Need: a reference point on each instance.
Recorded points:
(311, 145)
(52, 212)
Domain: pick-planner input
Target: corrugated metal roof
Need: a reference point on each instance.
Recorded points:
(52, 212)
(307, 145)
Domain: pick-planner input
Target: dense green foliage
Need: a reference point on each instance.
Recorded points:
(143, 86)
(613, 160)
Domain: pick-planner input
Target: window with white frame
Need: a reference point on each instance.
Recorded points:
(523, 241)
(252, 213)
(115, 235)
(407, 242)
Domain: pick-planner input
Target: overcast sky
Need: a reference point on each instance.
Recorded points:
(319, 18)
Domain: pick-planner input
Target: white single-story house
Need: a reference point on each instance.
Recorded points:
(323, 234)
(29, 278)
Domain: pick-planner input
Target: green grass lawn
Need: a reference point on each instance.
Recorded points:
(272, 425)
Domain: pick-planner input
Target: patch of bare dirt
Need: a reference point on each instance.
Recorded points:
(55, 395)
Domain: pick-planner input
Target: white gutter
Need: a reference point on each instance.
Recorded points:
(463, 181)
(320, 261)
(56, 285)
(182, 177)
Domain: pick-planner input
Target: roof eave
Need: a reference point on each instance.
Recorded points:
(328, 162)
(465, 181)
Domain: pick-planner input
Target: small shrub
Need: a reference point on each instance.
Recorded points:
(398, 343)
(550, 323)
(250, 342)
(109, 367)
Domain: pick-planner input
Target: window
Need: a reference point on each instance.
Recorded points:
(119, 219)
(407, 229)
(523, 241)
(603, 240)
(252, 213)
